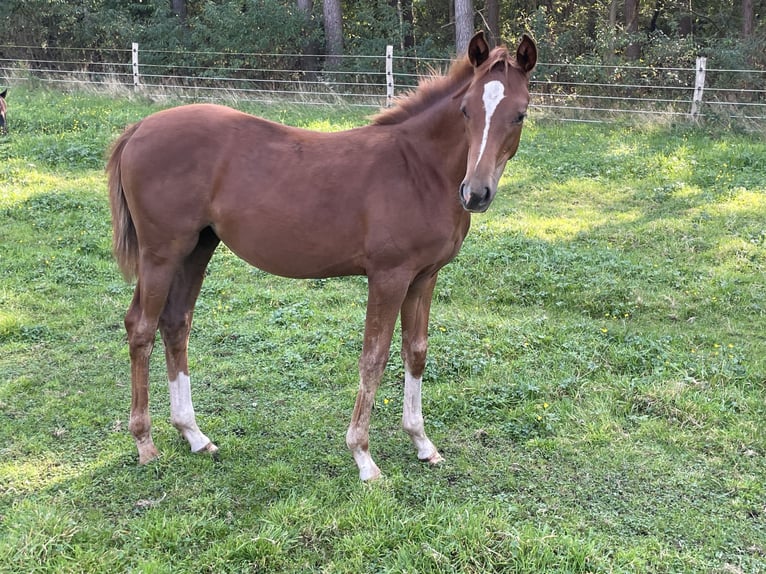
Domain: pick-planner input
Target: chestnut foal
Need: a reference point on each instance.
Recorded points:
(391, 200)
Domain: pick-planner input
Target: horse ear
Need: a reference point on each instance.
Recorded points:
(526, 54)
(5, 91)
(478, 49)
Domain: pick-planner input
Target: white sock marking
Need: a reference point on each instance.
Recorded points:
(412, 416)
(182, 412)
(494, 92)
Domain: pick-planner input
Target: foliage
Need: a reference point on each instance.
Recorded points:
(595, 376)
(222, 34)
(261, 26)
(566, 31)
(219, 38)
(375, 25)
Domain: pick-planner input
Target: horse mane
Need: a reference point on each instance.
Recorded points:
(436, 86)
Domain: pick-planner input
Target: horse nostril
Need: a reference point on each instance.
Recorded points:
(475, 197)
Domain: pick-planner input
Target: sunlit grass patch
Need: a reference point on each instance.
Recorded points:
(10, 323)
(565, 224)
(33, 473)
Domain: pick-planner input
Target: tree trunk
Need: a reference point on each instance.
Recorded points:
(492, 8)
(309, 61)
(633, 51)
(685, 22)
(463, 25)
(305, 6)
(333, 31)
(179, 9)
(747, 18)
(659, 6)
(408, 24)
(612, 31)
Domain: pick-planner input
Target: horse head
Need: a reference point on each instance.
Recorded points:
(494, 107)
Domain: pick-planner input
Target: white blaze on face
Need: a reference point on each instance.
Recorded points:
(494, 92)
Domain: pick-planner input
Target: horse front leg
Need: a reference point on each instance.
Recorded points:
(385, 295)
(415, 313)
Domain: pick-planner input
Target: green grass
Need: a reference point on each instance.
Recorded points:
(596, 376)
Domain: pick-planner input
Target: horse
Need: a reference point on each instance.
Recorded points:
(391, 200)
(3, 109)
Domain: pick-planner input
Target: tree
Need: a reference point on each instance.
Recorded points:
(747, 18)
(311, 46)
(179, 9)
(612, 30)
(463, 24)
(685, 21)
(333, 31)
(407, 24)
(633, 51)
(492, 8)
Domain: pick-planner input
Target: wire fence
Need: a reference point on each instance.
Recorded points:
(565, 91)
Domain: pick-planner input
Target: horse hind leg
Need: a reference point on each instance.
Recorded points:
(175, 326)
(141, 323)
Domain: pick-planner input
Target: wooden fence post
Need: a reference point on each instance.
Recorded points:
(389, 76)
(136, 81)
(699, 88)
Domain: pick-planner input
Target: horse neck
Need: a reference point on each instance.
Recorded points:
(440, 132)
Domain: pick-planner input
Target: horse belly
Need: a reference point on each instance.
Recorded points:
(299, 244)
(298, 261)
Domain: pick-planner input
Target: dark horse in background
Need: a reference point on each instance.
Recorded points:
(3, 109)
(391, 200)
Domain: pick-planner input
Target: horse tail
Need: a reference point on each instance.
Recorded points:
(124, 238)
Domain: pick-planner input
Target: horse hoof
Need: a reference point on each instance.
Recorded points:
(147, 453)
(212, 450)
(434, 459)
(370, 475)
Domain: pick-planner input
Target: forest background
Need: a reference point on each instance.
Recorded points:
(731, 33)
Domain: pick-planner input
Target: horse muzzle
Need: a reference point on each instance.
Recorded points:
(476, 198)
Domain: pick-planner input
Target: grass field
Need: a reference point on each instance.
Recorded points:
(596, 377)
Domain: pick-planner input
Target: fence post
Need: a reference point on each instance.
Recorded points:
(699, 88)
(389, 76)
(136, 82)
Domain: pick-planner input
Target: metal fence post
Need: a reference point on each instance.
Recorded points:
(136, 82)
(389, 76)
(699, 88)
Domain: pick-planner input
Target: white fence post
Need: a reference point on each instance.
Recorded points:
(136, 82)
(389, 76)
(699, 88)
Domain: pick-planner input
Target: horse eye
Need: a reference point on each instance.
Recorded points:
(521, 118)
(464, 111)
